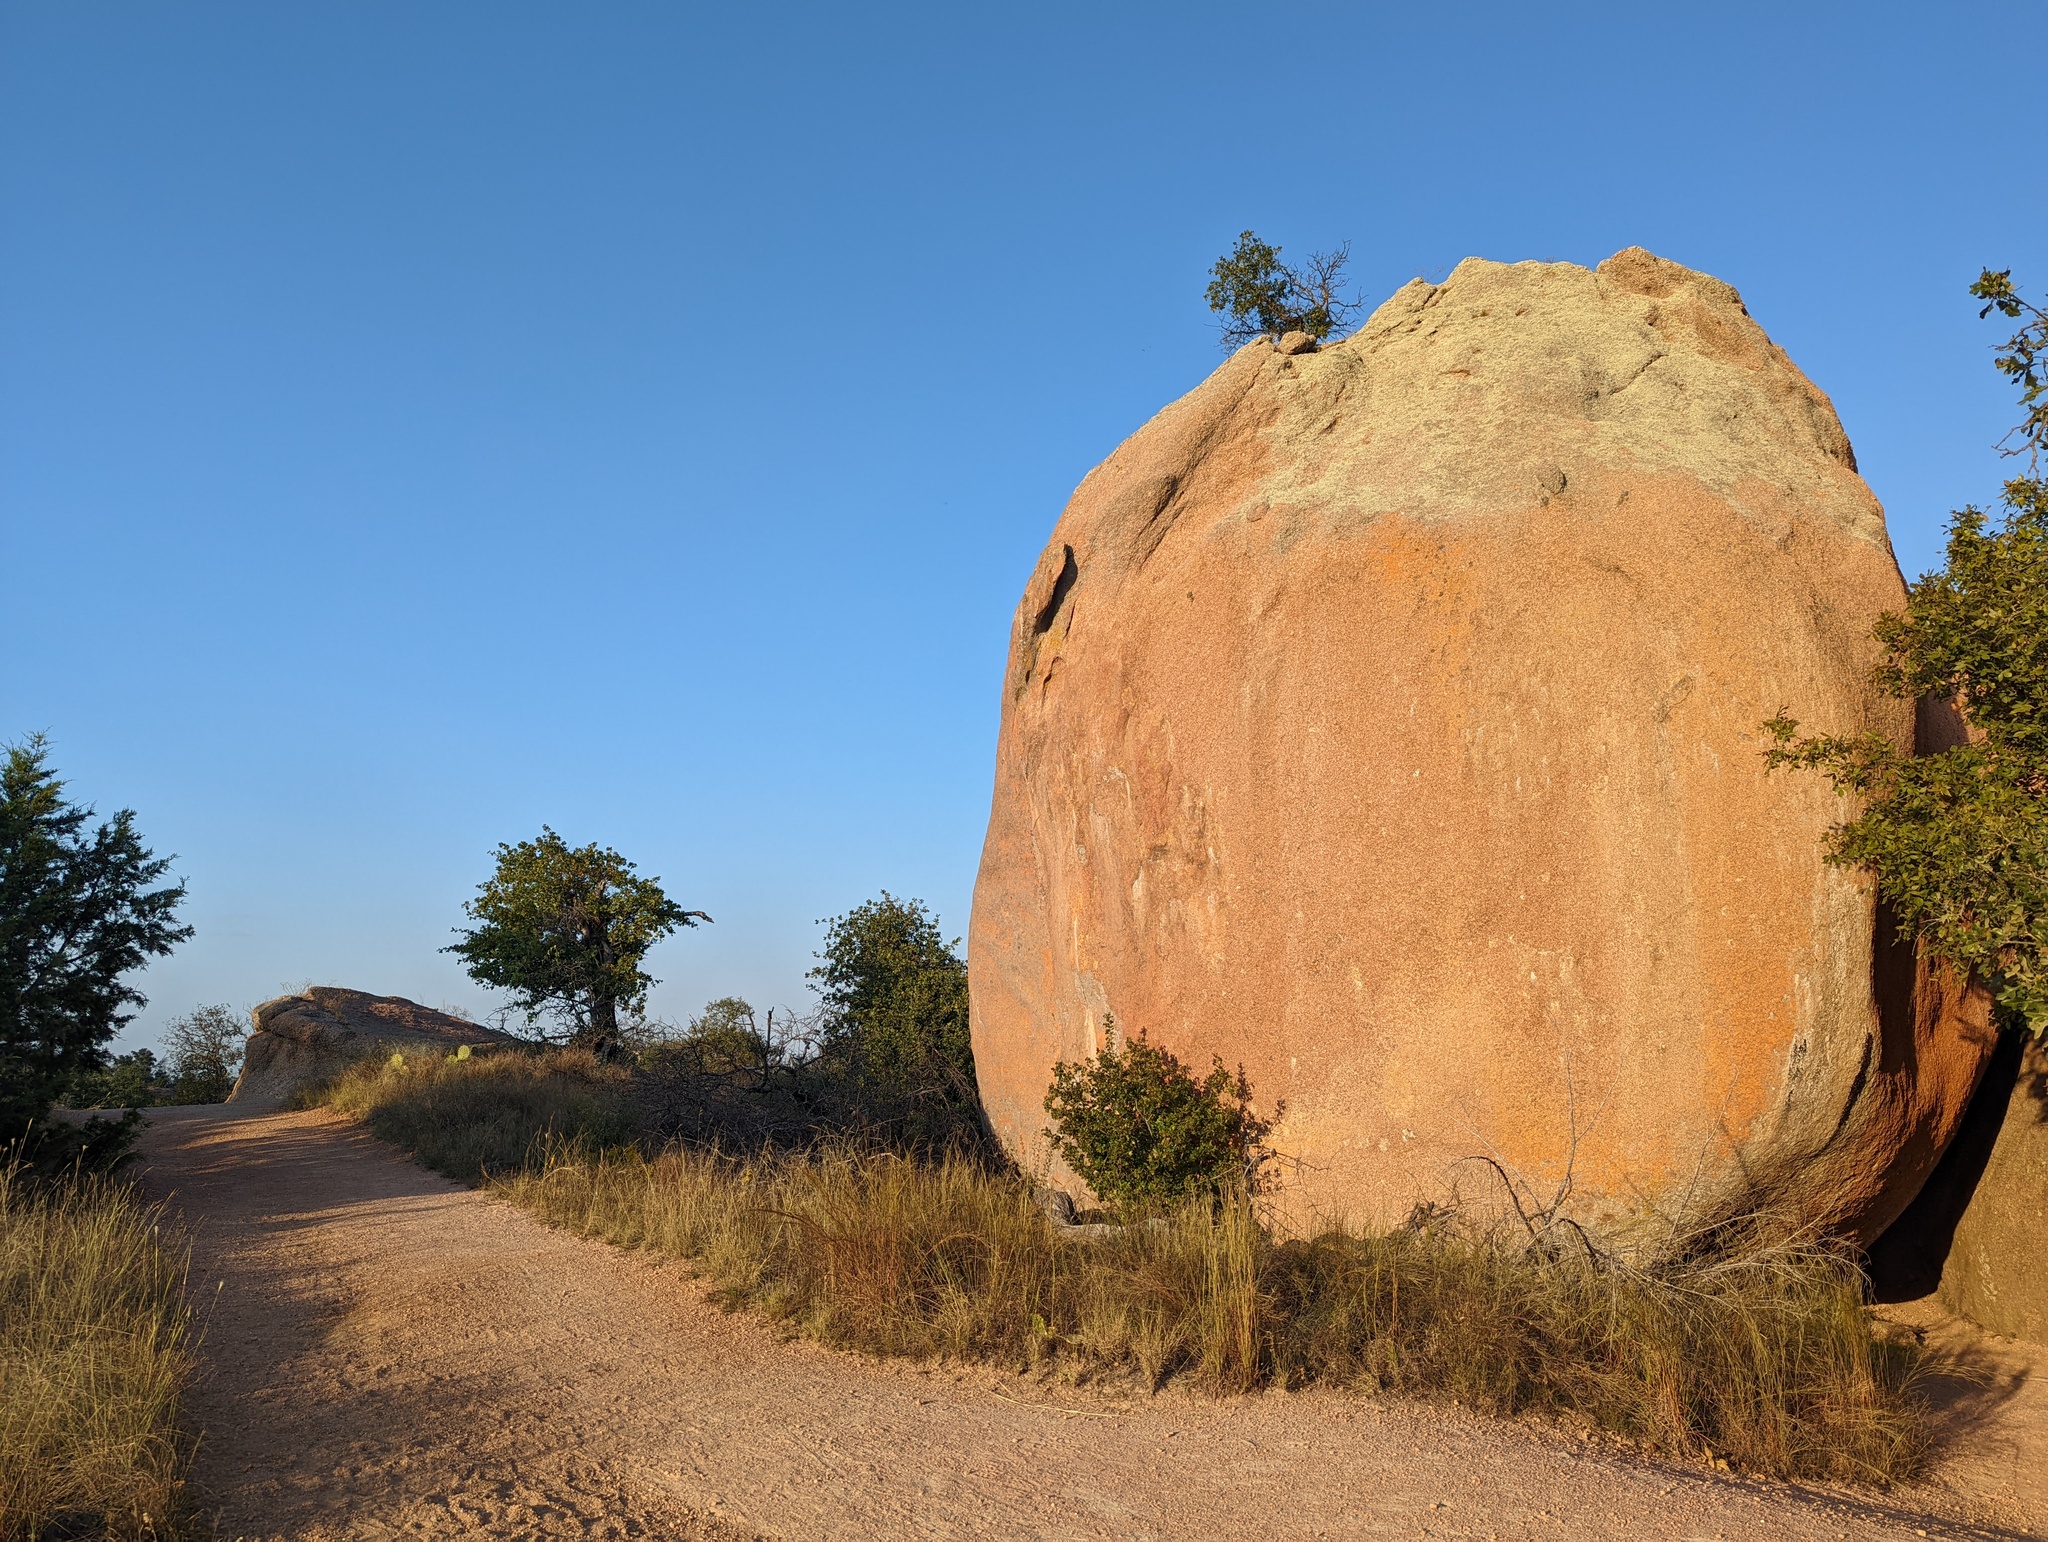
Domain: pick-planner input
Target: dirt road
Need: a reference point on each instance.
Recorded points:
(390, 1355)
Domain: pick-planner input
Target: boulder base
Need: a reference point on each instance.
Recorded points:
(1997, 1269)
(312, 1036)
(1385, 718)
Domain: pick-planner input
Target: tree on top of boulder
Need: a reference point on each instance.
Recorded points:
(565, 929)
(1258, 295)
(1959, 840)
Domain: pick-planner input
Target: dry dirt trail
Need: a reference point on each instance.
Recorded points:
(391, 1355)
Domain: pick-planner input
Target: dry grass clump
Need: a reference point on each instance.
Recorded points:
(1762, 1353)
(474, 1115)
(95, 1345)
(1763, 1356)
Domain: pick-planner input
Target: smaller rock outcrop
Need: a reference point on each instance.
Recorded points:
(303, 1038)
(1997, 1269)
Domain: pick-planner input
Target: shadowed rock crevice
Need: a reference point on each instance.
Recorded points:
(1905, 1263)
(1995, 1271)
(1062, 586)
(1894, 981)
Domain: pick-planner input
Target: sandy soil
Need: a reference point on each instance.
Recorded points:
(389, 1355)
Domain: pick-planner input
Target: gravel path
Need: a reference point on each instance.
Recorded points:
(390, 1355)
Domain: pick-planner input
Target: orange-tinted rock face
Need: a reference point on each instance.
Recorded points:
(1386, 719)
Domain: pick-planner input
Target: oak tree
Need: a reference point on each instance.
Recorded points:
(565, 930)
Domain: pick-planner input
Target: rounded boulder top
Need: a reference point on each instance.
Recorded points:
(312, 1035)
(1385, 718)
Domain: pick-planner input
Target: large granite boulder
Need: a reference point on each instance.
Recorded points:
(311, 1036)
(1385, 718)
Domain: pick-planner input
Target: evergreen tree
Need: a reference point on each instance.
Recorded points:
(81, 906)
(1258, 295)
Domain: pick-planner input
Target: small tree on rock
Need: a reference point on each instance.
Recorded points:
(1258, 295)
(565, 929)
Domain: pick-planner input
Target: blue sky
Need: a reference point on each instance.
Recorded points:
(419, 422)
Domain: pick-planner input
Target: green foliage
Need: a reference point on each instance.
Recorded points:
(565, 929)
(59, 1149)
(132, 1080)
(205, 1052)
(894, 995)
(2021, 360)
(1142, 1131)
(1959, 839)
(1260, 296)
(80, 907)
(725, 1039)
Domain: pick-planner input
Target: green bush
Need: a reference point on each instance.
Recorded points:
(725, 1039)
(1137, 1125)
(133, 1080)
(56, 1149)
(204, 1051)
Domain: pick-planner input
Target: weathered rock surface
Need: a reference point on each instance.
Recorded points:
(1997, 1269)
(1385, 718)
(304, 1038)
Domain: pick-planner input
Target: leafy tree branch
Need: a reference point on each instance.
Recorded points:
(1958, 840)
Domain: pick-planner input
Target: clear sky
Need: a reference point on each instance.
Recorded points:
(423, 421)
